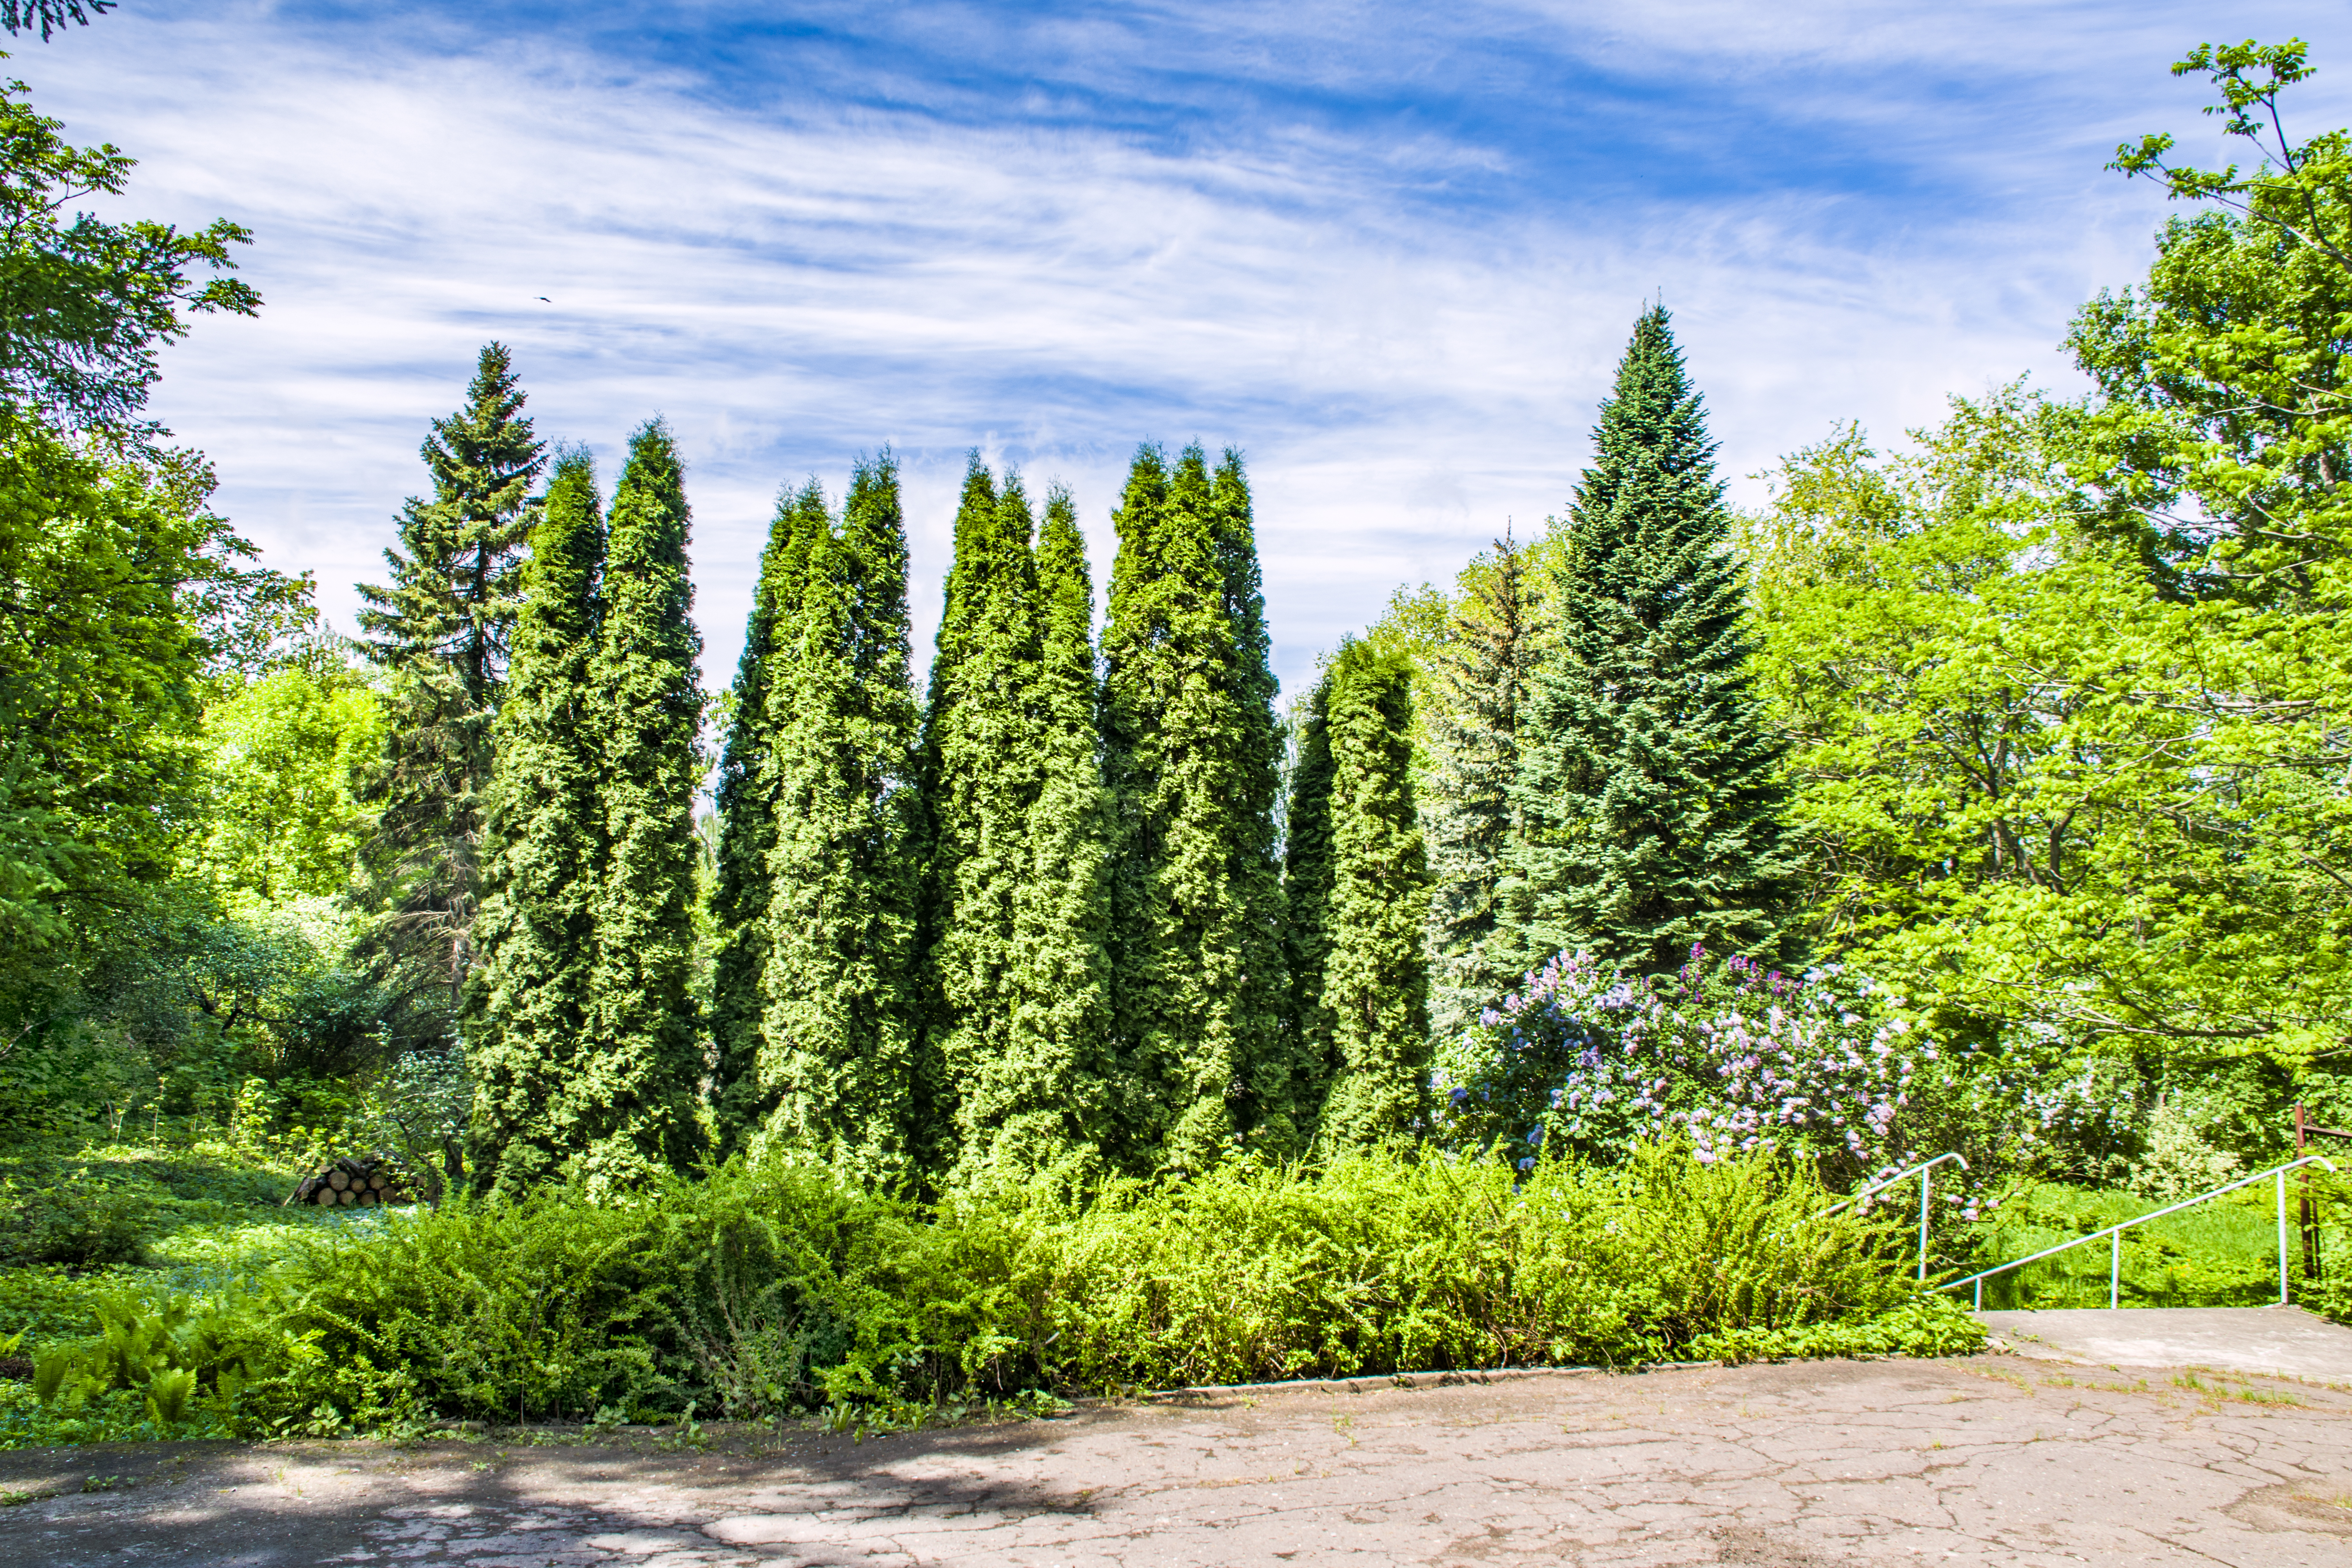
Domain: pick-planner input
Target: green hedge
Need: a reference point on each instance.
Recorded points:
(760, 1291)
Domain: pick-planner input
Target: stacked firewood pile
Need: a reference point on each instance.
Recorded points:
(356, 1182)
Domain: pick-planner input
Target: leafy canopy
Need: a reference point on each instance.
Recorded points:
(2299, 190)
(50, 15)
(85, 304)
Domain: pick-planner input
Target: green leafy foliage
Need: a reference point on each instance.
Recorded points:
(117, 588)
(164, 1354)
(978, 782)
(2066, 682)
(1306, 886)
(2039, 786)
(82, 1223)
(439, 631)
(280, 757)
(1360, 885)
(764, 1290)
(1012, 1086)
(2224, 1253)
(1052, 1102)
(85, 304)
(1926, 1325)
(2303, 191)
(21, 16)
(1479, 674)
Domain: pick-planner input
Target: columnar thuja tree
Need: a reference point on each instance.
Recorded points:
(439, 629)
(1648, 776)
(980, 779)
(749, 779)
(1494, 639)
(1040, 1106)
(1371, 1062)
(1307, 889)
(1191, 758)
(975, 784)
(836, 1053)
(527, 1000)
(637, 1081)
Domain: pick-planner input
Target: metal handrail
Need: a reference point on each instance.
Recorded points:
(1919, 1171)
(2114, 1232)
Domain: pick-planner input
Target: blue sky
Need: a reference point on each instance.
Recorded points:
(1390, 251)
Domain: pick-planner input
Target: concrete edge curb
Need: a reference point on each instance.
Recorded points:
(1410, 1380)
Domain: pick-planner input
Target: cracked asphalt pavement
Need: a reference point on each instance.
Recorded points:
(1992, 1459)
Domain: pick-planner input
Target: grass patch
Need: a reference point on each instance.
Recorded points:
(2222, 1253)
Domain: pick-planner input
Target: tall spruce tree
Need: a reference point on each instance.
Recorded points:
(529, 999)
(1192, 757)
(636, 1082)
(837, 1054)
(1648, 775)
(439, 629)
(1042, 1109)
(746, 796)
(1494, 641)
(1373, 1067)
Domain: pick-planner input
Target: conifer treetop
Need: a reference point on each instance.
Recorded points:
(454, 574)
(1648, 781)
(1654, 462)
(749, 780)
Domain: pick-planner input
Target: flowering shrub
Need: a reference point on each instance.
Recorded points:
(1585, 1062)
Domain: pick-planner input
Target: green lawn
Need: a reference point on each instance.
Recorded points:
(81, 1220)
(2222, 1253)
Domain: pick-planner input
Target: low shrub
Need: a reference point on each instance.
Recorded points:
(761, 1290)
(1385, 1265)
(83, 1224)
(1924, 1325)
(1585, 1062)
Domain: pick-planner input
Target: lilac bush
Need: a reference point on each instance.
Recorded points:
(1585, 1062)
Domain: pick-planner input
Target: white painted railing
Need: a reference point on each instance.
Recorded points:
(2115, 1234)
(1920, 1171)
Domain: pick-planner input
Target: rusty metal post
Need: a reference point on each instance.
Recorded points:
(2305, 1210)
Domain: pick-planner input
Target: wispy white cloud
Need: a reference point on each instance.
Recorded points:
(1402, 309)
